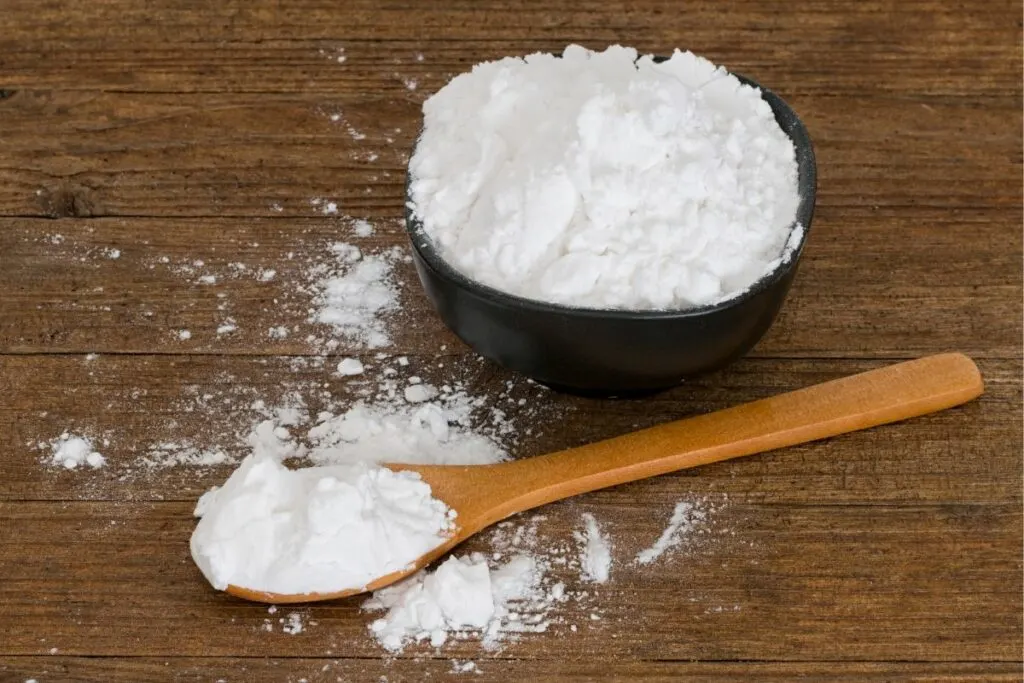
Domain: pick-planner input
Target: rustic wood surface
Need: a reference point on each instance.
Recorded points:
(179, 130)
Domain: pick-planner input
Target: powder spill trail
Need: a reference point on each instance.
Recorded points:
(595, 550)
(686, 517)
(357, 294)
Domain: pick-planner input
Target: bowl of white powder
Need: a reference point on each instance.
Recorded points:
(607, 223)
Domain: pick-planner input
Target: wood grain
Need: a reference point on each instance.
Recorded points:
(154, 669)
(922, 46)
(764, 583)
(128, 154)
(186, 130)
(146, 400)
(950, 281)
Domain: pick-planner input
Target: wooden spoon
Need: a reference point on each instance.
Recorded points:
(485, 494)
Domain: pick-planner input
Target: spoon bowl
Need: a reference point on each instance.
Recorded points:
(482, 495)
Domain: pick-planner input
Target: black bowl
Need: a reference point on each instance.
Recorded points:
(615, 352)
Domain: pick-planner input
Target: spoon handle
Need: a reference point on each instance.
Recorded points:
(868, 399)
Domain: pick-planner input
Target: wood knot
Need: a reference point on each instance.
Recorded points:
(5, 93)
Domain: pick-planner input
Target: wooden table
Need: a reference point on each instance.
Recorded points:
(202, 130)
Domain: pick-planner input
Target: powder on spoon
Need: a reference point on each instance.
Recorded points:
(317, 529)
(604, 180)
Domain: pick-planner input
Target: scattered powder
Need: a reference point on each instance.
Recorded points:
(431, 433)
(208, 279)
(490, 598)
(266, 274)
(595, 551)
(278, 332)
(227, 327)
(462, 596)
(686, 517)
(606, 180)
(184, 335)
(293, 624)
(362, 228)
(173, 454)
(70, 451)
(464, 667)
(350, 366)
(318, 529)
(356, 297)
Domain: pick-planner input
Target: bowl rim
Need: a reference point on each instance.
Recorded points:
(806, 177)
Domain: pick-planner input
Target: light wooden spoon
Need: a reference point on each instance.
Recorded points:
(485, 494)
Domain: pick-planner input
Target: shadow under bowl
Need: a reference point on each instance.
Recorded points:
(598, 352)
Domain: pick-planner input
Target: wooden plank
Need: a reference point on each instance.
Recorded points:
(59, 669)
(910, 282)
(186, 46)
(966, 455)
(138, 154)
(765, 582)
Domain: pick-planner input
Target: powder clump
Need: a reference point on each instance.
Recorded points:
(464, 596)
(70, 452)
(606, 180)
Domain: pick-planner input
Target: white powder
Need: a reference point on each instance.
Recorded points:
(184, 335)
(429, 433)
(362, 228)
(292, 624)
(70, 451)
(606, 181)
(595, 551)
(418, 393)
(358, 294)
(318, 529)
(464, 667)
(524, 596)
(685, 518)
(463, 596)
(350, 366)
(168, 454)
